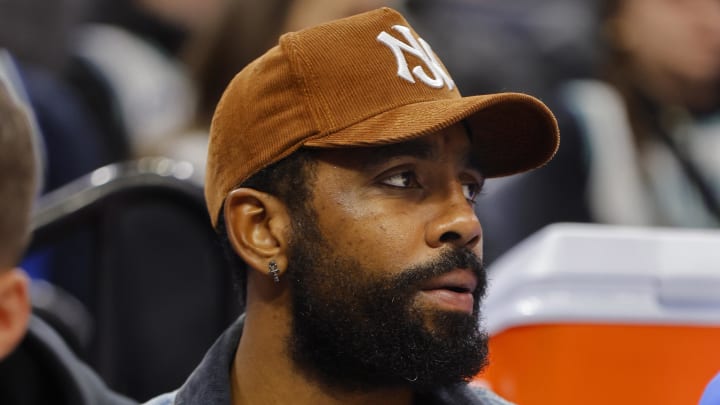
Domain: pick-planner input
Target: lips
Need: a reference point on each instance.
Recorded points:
(453, 290)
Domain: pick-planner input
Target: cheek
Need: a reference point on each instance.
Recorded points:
(374, 235)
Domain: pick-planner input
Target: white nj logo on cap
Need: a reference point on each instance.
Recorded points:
(420, 49)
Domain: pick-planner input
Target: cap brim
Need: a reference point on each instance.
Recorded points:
(512, 132)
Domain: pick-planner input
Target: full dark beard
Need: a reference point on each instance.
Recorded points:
(355, 331)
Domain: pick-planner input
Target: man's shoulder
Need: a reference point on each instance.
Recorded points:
(470, 394)
(46, 350)
(487, 397)
(164, 399)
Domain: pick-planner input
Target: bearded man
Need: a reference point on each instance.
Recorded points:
(342, 174)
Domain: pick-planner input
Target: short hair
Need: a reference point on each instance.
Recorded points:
(17, 179)
(289, 180)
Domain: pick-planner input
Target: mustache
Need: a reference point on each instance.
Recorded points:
(447, 261)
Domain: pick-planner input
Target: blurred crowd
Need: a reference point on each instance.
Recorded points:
(112, 80)
(640, 133)
(635, 85)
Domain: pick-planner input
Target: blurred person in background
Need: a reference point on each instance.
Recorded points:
(654, 160)
(136, 46)
(509, 45)
(18, 181)
(641, 139)
(246, 29)
(72, 105)
(105, 84)
(75, 110)
(36, 367)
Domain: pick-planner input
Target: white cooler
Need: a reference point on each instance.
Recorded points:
(588, 314)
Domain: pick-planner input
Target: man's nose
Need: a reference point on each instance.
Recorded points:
(455, 223)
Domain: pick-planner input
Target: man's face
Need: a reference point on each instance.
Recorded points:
(386, 270)
(674, 43)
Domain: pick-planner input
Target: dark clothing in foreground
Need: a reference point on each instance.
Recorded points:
(209, 384)
(43, 370)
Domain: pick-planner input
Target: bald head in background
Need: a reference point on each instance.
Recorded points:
(17, 190)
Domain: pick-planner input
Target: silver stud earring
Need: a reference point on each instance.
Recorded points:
(274, 271)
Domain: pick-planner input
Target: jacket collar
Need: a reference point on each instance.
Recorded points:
(210, 382)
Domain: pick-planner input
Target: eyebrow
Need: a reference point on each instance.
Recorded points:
(417, 148)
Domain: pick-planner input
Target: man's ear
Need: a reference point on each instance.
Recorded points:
(14, 309)
(258, 226)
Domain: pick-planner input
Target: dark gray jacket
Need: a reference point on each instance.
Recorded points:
(209, 384)
(43, 370)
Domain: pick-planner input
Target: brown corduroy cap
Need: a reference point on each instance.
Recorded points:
(361, 81)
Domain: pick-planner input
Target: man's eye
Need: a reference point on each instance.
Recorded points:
(405, 179)
(471, 191)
